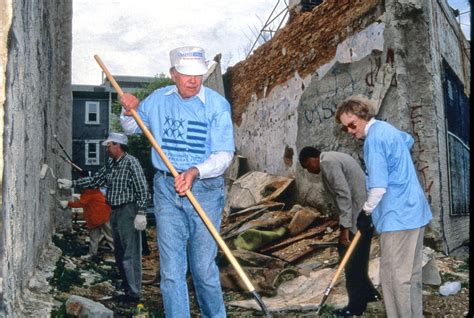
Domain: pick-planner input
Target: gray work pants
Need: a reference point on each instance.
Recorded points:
(400, 272)
(128, 247)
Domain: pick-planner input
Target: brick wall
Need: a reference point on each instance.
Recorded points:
(308, 41)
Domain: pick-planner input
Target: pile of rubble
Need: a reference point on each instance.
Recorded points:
(288, 251)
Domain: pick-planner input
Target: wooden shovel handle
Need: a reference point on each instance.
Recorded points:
(189, 194)
(345, 259)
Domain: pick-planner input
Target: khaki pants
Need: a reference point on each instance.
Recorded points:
(400, 272)
(97, 234)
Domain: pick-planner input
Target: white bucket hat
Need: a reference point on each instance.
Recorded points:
(189, 60)
(116, 137)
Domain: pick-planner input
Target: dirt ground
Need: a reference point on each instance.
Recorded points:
(98, 280)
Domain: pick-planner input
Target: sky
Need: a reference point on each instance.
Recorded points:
(134, 37)
(465, 15)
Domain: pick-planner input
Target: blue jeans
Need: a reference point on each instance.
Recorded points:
(183, 237)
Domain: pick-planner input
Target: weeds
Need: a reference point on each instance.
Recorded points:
(69, 244)
(464, 267)
(61, 312)
(64, 278)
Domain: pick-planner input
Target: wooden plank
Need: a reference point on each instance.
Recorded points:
(237, 219)
(268, 220)
(305, 235)
(302, 248)
(295, 251)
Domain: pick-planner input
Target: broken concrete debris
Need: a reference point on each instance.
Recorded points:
(430, 273)
(301, 293)
(302, 219)
(270, 240)
(78, 306)
(255, 187)
(290, 254)
(291, 269)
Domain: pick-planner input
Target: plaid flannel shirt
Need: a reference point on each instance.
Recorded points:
(124, 179)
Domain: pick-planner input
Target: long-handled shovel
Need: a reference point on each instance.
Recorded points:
(190, 196)
(344, 261)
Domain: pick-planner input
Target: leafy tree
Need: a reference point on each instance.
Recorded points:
(141, 93)
(138, 145)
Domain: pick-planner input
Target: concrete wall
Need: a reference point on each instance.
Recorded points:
(448, 43)
(36, 48)
(5, 21)
(285, 94)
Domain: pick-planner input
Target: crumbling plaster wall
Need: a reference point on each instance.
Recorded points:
(285, 94)
(36, 40)
(267, 89)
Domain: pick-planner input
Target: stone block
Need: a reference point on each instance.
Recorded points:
(83, 307)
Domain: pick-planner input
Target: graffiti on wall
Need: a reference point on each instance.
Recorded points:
(319, 114)
(421, 164)
(341, 84)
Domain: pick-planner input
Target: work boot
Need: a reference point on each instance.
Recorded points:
(127, 299)
(349, 311)
(374, 297)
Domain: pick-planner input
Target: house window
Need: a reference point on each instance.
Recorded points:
(92, 152)
(92, 113)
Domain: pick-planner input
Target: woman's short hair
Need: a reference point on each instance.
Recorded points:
(358, 105)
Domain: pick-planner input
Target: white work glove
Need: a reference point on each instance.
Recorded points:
(76, 196)
(64, 184)
(63, 204)
(140, 221)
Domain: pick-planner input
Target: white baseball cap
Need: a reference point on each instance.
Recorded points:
(189, 60)
(116, 137)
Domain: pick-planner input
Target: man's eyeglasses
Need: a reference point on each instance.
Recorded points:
(350, 125)
(111, 143)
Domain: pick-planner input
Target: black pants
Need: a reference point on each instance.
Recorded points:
(145, 247)
(358, 284)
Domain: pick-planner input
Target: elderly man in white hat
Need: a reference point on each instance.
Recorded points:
(192, 123)
(128, 196)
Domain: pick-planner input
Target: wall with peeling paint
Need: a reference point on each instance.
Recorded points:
(274, 116)
(282, 104)
(36, 41)
(447, 44)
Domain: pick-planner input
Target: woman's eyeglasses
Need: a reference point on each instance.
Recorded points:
(350, 125)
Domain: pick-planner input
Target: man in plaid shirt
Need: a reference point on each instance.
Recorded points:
(127, 194)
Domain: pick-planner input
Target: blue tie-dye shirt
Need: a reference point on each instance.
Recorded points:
(188, 130)
(390, 166)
